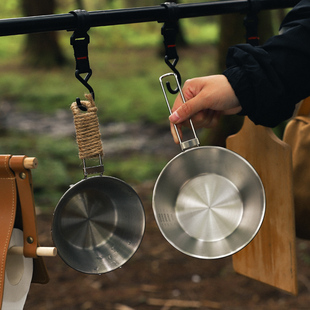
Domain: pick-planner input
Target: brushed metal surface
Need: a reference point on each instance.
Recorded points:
(98, 225)
(209, 207)
(208, 202)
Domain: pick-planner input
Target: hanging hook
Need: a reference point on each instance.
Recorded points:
(80, 40)
(84, 82)
(169, 31)
(173, 68)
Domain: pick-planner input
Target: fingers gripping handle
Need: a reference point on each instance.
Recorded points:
(183, 144)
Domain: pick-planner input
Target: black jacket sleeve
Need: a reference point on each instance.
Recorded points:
(270, 79)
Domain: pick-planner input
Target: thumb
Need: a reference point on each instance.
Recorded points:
(184, 112)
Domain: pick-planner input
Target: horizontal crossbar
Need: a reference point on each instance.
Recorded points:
(67, 21)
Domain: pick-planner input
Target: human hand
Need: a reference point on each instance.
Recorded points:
(207, 98)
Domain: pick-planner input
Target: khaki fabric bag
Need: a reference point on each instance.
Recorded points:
(297, 135)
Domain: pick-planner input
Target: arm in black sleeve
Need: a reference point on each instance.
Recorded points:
(270, 79)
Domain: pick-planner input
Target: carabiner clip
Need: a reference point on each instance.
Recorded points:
(251, 23)
(169, 31)
(80, 40)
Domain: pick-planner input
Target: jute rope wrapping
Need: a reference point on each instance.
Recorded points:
(87, 129)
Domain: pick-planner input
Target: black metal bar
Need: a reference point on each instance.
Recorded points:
(56, 22)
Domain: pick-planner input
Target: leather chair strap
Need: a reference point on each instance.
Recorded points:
(25, 192)
(7, 213)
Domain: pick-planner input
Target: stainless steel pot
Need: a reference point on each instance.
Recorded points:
(208, 202)
(98, 224)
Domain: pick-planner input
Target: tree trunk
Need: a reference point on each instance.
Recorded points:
(42, 49)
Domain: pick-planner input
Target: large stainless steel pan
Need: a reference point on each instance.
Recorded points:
(208, 202)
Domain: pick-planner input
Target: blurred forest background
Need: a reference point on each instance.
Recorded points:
(37, 86)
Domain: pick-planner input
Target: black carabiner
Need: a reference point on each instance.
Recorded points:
(169, 31)
(251, 23)
(80, 40)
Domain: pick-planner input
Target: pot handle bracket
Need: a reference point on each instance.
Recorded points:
(183, 144)
(99, 169)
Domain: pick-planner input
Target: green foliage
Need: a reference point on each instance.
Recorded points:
(126, 88)
(57, 159)
(136, 168)
(59, 165)
(127, 61)
(304, 253)
(10, 9)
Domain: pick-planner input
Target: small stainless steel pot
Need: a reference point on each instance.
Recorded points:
(208, 202)
(98, 224)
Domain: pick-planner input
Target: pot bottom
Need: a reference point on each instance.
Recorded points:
(209, 207)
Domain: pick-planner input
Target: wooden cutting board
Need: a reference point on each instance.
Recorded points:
(271, 256)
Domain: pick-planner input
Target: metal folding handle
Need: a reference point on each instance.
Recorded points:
(183, 144)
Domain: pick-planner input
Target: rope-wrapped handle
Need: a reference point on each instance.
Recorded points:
(87, 129)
